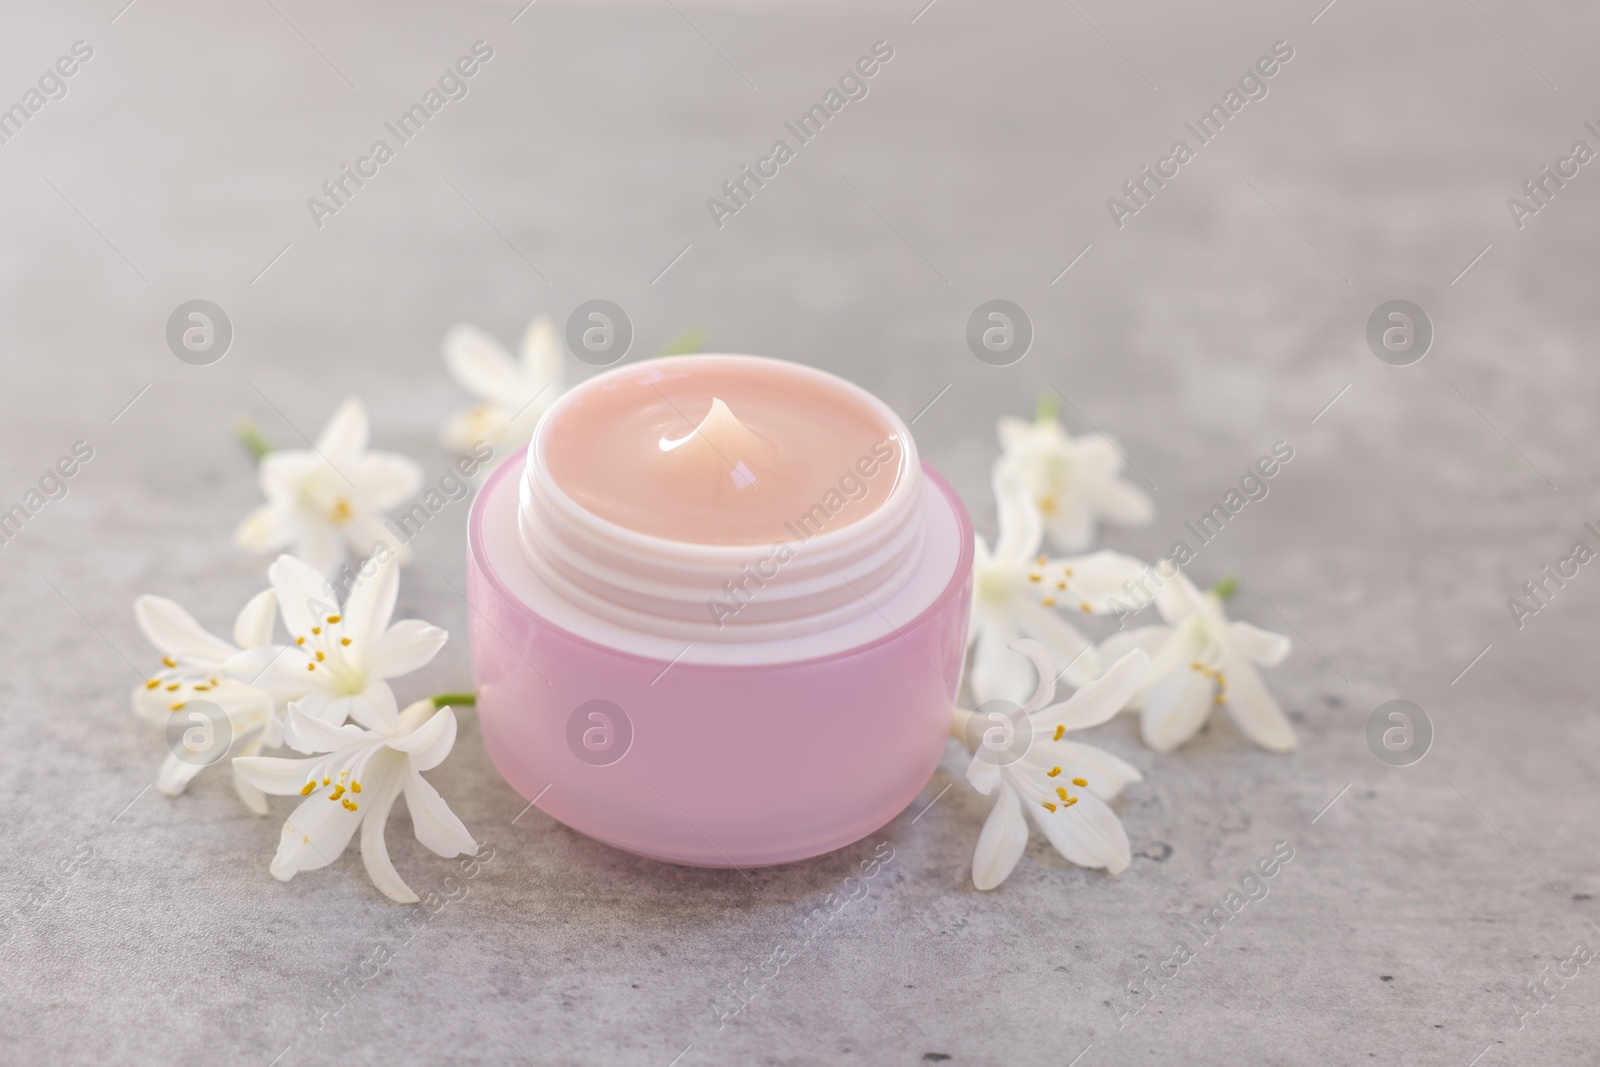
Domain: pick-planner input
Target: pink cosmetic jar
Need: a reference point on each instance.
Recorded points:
(739, 691)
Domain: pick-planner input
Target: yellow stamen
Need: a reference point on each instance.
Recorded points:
(153, 683)
(300, 640)
(1049, 601)
(1042, 560)
(311, 666)
(316, 629)
(173, 688)
(334, 618)
(1071, 801)
(1079, 782)
(1062, 793)
(350, 805)
(341, 512)
(179, 705)
(169, 661)
(308, 788)
(1059, 731)
(1035, 577)
(1061, 585)
(355, 787)
(320, 657)
(344, 640)
(1085, 607)
(338, 791)
(1047, 804)
(1053, 771)
(1047, 505)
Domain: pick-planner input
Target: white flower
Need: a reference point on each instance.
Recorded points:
(330, 499)
(341, 658)
(1019, 593)
(1200, 660)
(1073, 481)
(513, 392)
(352, 781)
(1064, 784)
(193, 670)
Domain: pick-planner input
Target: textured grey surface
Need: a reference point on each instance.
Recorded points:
(1222, 318)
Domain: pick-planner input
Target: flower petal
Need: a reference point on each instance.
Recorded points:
(465, 430)
(1076, 659)
(305, 597)
(253, 627)
(404, 647)
(1148, 639)
(1125, 504)
(1259, 646)
(541, 353)
(1001, 842)
(997, 672)
(384, 479)
(431, 742)
(315, 835)
(1015, 434)
(1020, 529)
(320, 546)
(1097, 701)
(368, 535)
(371, 603)
(248, 793)
(268, 528)
(175, 775)
(175, 632)
(1176, 705)
(481, 365)
(272, 774)
(1105, 773)
(344, 438)
(1098, 579)
(1087, 833)
(319, 726)
(1179, 600)
(1255, 712)
(1071, 527)
(435, 824)
(1044, 670)
(382, 788)
(983, 774)
(152, 705)
(1154, 641)
(280, 668)
(375, 707)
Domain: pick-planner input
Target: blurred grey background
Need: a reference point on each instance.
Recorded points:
(1226, 315)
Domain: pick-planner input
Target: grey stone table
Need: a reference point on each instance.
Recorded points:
(1227, 313)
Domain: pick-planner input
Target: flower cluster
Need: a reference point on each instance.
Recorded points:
(323, 694)
(1051, 485)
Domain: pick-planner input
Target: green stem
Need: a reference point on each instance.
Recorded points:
(1225, 588)
(455, 700)
(1048, 408)
(686, 343)
(250, 437)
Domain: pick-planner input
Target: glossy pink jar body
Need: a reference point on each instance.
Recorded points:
(710, 764)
